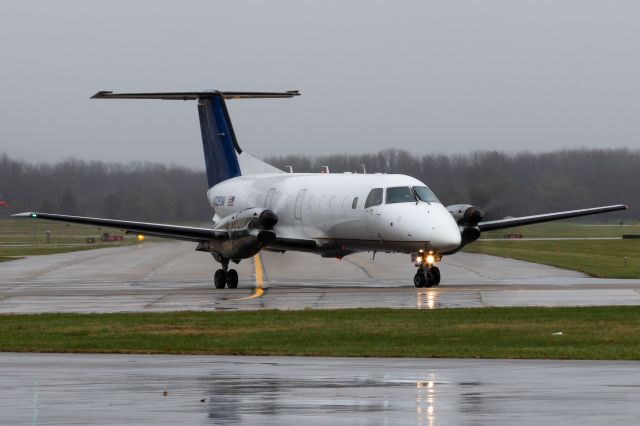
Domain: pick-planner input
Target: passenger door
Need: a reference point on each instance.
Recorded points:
(268, 201)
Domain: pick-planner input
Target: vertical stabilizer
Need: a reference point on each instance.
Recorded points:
(218, 140)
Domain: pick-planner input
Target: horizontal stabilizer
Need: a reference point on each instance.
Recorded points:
(190, 96)
(221, 148)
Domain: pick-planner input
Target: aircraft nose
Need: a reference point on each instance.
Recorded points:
(446, 237)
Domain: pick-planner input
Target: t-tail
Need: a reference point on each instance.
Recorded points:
(221, 149)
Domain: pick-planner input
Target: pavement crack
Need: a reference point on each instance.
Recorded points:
(158, 300)
(170, 257)
(362, 268)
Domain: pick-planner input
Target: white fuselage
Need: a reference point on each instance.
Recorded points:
(330, 208)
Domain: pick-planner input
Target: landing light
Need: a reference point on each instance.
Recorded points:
(140, 237)
(430, 259)
(34, 215)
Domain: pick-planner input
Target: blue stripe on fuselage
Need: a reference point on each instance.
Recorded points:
(217, 140)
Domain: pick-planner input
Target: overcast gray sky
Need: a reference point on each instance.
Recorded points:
(426, 76)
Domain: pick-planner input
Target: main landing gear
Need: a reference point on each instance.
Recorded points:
(225, 276)
(428, 275)
(228, 278)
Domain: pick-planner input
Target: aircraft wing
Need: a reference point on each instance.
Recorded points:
(528, 220)
(294, 244)
(187, 233)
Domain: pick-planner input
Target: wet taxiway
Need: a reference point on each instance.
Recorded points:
(140, 389)
(172, 276)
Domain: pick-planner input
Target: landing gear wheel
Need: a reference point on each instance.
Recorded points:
(429, 279)
(220, 278)
(435, 274)
(420, 279)
(232, 278)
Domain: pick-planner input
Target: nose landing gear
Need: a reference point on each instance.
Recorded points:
(428, 275)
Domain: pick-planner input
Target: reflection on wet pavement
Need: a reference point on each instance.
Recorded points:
(117, 389)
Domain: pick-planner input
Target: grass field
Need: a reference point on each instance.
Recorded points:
(567, 230)
(588, 333)
(23, 237)
(598, 258)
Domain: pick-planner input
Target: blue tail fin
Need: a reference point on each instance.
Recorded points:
(219, 142)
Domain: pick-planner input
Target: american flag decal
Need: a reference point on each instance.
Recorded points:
(230, 201)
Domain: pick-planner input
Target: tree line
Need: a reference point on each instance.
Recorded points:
(137, 191)
(499, 183)
(505, 184)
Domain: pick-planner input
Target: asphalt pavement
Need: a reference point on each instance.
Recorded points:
(173, 277)
(140, 389)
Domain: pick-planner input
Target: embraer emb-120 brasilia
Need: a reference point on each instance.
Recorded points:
(259, 207)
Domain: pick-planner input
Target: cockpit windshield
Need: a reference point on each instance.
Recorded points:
(425, 194)
(400, 194)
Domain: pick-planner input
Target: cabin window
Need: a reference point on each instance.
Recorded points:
(312, 201)
(374, 198)
(355, 203)
(425, 194)
(400, 194)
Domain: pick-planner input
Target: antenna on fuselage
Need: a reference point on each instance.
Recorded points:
(364, 169)
(290, 169)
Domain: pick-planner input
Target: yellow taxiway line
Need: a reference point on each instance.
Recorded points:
(259, 279)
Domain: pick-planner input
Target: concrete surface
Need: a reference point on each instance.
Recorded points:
(172, 276)
(138, 389)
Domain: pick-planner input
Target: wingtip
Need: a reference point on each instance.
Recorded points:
(25, 214)
(101, 94)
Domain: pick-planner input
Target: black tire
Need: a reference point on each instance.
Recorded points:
(220, 278)
(416, 281)
(435, 272)
(429, 280)
(232, 278)
(419, 280)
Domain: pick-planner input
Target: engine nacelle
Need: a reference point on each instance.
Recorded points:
(466, 215)
(253, 218)
(249, 231)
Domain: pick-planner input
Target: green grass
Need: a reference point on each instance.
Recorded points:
(598, 258)
(25, 237)
(566, 230)
(588, 333)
